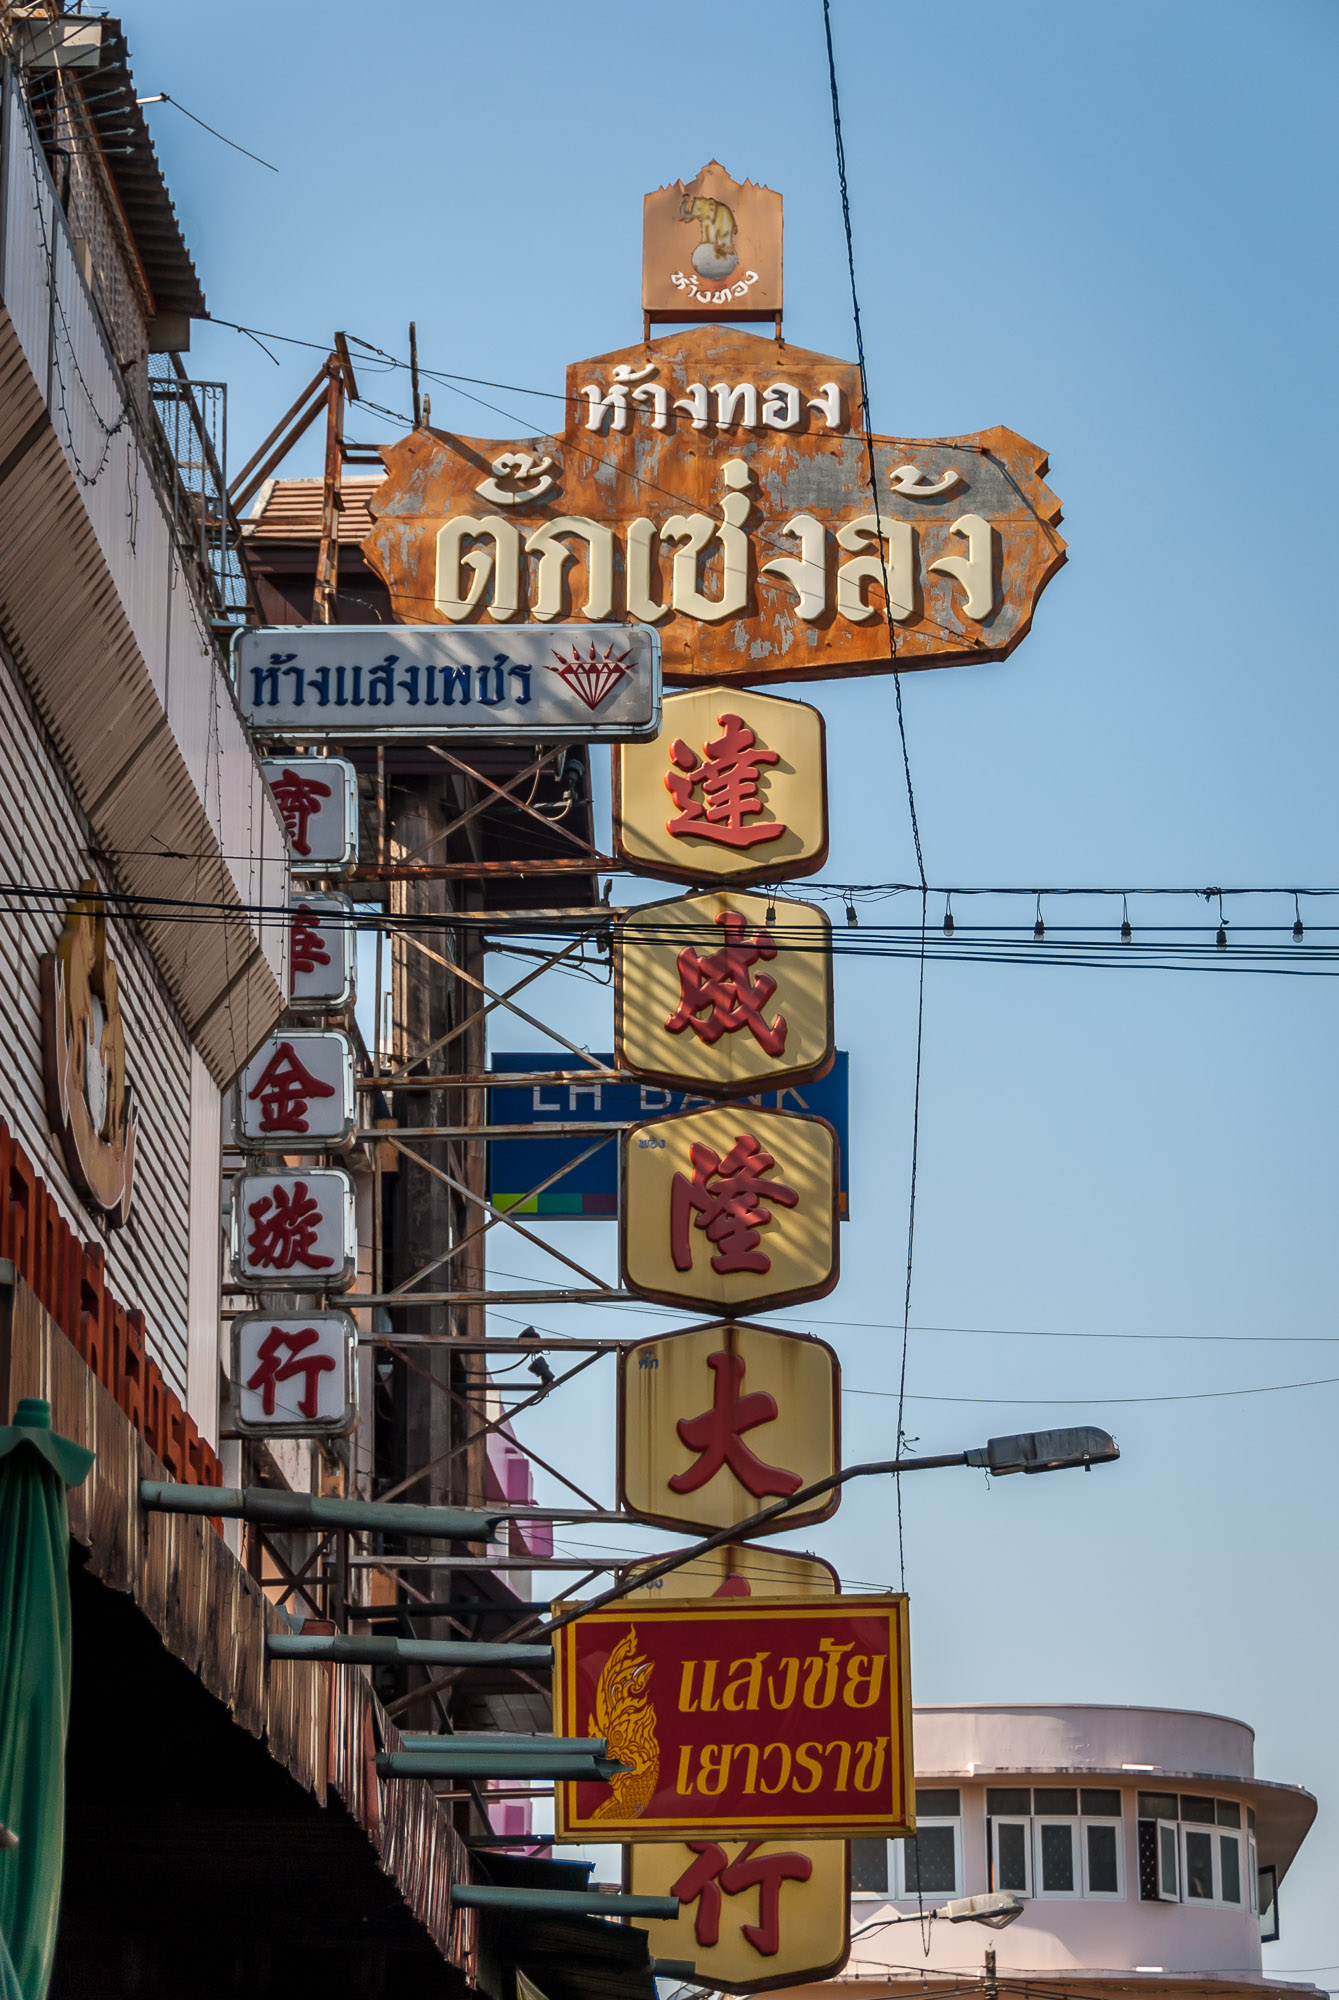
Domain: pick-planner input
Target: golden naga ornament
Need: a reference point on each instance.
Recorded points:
(89, 1101)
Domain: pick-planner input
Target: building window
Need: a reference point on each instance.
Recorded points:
(1191, 1850)
(924, 1867)
(1055, 1840)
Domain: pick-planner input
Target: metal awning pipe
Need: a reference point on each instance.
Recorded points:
(474, 1761)
(562, 1902)
(273, 1507)
(369, 1650)
(504, 1739)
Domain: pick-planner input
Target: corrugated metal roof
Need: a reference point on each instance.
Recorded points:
(109, 94)
(289, 510)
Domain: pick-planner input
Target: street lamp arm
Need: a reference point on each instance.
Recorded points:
(753, 1524)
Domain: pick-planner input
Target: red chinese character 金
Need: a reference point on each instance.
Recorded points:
(282, 1357)
(727, 777)
(717, 1435)
(307, 947)
(285, 1087)
(297, 799)
(285, 1225)
(712, 1874)
(725, 1199)
(721, 986)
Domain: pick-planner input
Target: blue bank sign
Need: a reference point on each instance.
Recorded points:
(588, 1188)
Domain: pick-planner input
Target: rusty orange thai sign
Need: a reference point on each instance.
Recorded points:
(723, 992)
(711, 249)
(717, 485)
(731, 1210)
(754, 1914)
(716, 1421)
(733, 788)
(739, 1720)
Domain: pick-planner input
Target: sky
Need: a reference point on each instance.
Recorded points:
(1108, 229)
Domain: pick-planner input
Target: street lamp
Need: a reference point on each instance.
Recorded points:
(995, 1910)
(1025, 1451)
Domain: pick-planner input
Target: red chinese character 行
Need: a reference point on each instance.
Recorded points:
(727, 777)
(721, 986)
(717, 1435)
(282, 1357)
(724, 1198)
(297, 799)
(285, 1087)
(705, 1880)
(306, 949)
(285, 1225)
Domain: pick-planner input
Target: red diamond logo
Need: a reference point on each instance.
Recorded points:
(594, 678)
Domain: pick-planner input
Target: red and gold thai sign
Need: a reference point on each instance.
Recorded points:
(754, 1914)
(717, 1421)
(739, 1720)
(740, 1569)
(717, 485)
(711, 249)
(723, 992)
(734, 786)
(732, 1210)
(89, 1102)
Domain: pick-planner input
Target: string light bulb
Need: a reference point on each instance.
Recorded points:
(1126, 927)
(1039, 928)
(1220, 936)
(771, 909)
(1299, 928)
(948, 916)
(851, 917)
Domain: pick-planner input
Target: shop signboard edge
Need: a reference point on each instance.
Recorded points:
(797, 1976)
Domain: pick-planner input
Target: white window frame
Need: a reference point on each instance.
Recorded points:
(1039, 1889)
(1116, 1895)
(1163, 1827)
(1252, 1875)
(1011, 1819)
(906, 1895)
(1188, 1827)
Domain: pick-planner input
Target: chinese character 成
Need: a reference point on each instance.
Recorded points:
(712, 1873)
(725, 1199)
(284, 1088)
(717, 1435)
(285, 1226)
(721, 986)
(307, 948)
(297, 799)
(282, 1357)
(727, 777)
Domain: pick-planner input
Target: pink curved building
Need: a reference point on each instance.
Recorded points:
(1140, 1839)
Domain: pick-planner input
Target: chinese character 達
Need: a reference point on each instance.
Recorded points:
(727, 777)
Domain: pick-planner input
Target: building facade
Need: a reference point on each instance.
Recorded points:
(1147, 1853)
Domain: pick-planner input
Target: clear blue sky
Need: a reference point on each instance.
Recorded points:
(1112, 230)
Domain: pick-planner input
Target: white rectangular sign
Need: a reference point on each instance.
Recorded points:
(492, 683)
(295, 1377)
(317, 799)
(294, 1232)
(321, 955)
(296, 1093)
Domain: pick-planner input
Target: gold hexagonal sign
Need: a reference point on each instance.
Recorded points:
(753, 1914)
(723, 992)
(716, 1422)
(734, 787)
(731, 1209)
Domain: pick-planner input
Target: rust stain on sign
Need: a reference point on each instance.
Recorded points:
(716, 485)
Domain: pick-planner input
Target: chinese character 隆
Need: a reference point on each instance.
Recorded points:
(725, 1198)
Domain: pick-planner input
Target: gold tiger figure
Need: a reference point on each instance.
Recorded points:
(716, 220)
(627, 1721)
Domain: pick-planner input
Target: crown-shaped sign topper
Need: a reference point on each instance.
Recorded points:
(711, 249)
